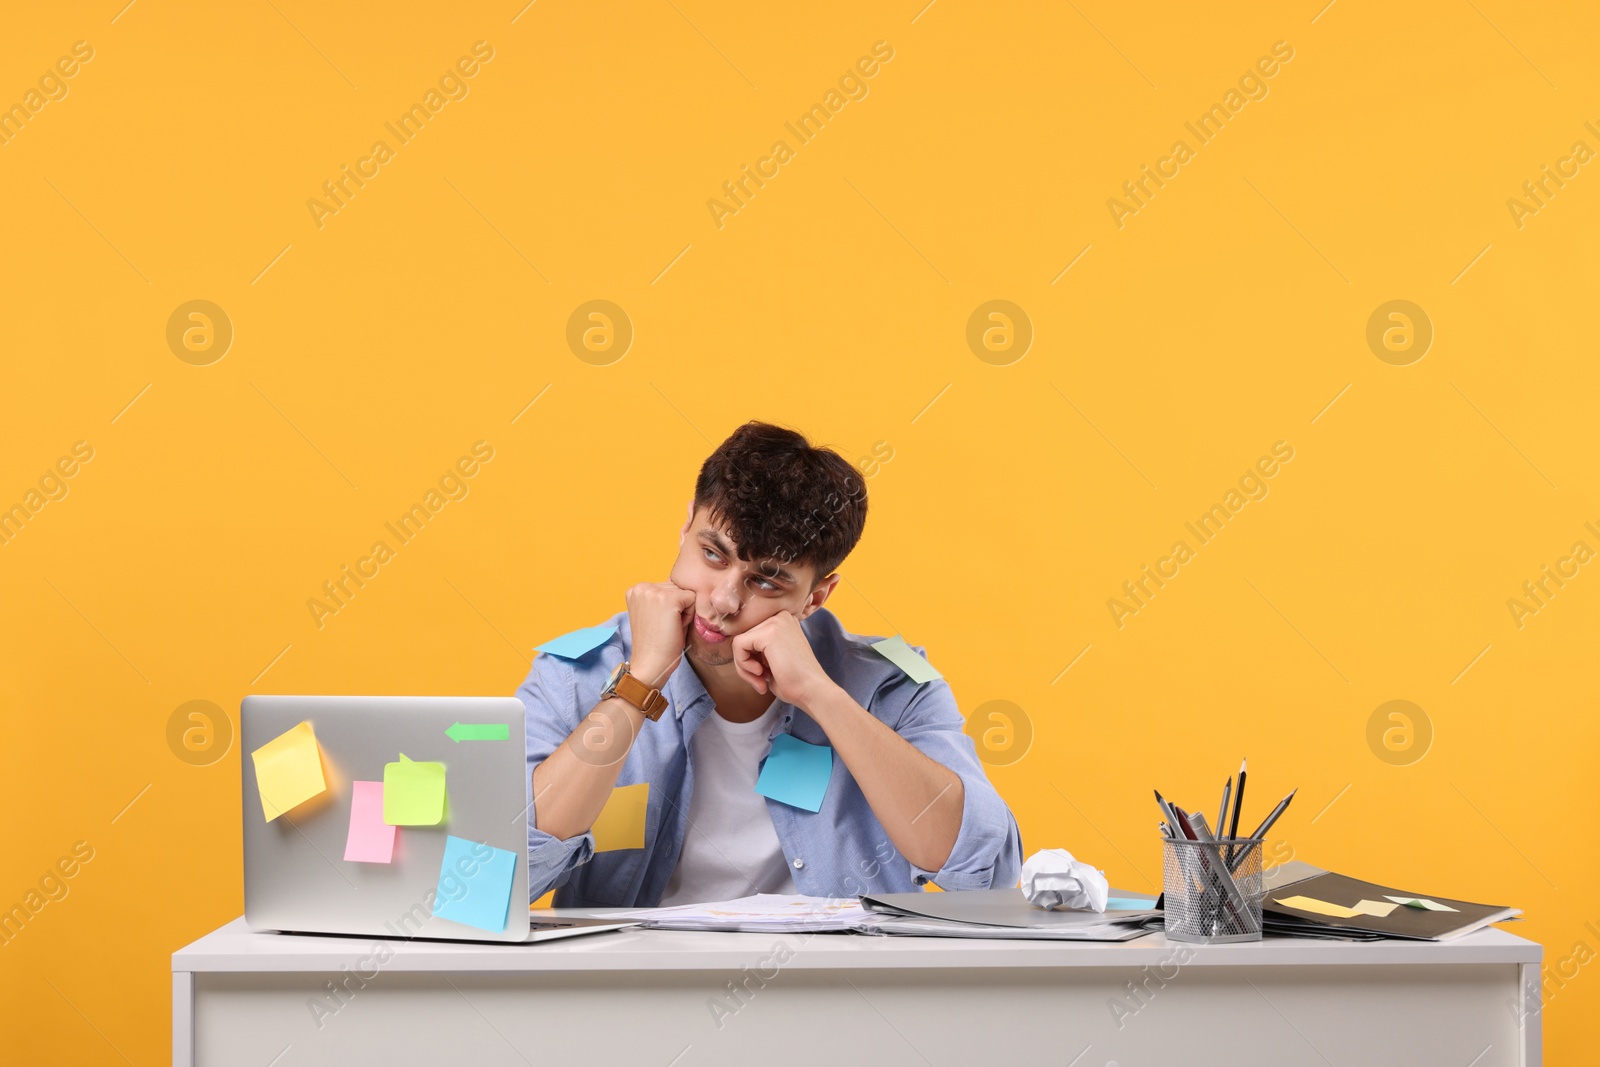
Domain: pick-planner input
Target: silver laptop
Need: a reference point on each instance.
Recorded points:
(390, 817)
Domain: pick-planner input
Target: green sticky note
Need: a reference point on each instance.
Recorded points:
(902, 655)
(413, 793)
(1421, 903)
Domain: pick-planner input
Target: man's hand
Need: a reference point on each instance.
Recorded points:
(774, 656)
(659, 614)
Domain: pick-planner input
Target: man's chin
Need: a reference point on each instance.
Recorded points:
(707, 657)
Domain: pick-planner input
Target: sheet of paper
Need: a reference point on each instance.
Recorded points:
(371, 839)
(902, 655)
(288, 770)
(621, 822)
(413, 792)
(1421, 902)
(1376, 909)
(578, 642)
(475, 884)
(796, 773)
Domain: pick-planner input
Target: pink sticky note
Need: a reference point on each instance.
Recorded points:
(371, 839)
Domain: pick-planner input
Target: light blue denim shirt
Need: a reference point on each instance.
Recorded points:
(841, 850)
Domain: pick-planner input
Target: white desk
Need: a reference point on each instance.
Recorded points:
(647, 998)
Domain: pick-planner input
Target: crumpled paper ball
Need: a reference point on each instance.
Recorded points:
(1053, 879)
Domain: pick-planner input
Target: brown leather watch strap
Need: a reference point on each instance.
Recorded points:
(650, 701)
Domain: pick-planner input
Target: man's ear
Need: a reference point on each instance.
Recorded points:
(820, 594)
(687, 522)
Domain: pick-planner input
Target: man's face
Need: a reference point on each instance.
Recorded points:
(732, 595)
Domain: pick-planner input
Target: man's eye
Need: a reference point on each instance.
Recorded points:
(766, 584)
(710, 555)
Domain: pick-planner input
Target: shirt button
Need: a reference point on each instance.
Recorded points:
(799, 864)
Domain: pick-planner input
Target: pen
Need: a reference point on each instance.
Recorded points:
(1168, 813)
(1222, 812)
(1238, 805)
(1238, 800)
(1266, 824)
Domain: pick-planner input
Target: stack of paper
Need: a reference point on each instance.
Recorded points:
(1306, 901)
(994, 913)
(777, 912)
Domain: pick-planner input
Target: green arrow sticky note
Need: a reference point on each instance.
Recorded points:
(413, 793)
(478, 731)
(1422, 903)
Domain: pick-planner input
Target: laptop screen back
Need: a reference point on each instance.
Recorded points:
(296, 872)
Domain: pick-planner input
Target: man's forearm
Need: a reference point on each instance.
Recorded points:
(574, 782)
(918, 800)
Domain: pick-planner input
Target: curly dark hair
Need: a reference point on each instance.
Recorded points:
(781, 498)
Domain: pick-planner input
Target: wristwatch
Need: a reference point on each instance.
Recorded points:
(646, 698)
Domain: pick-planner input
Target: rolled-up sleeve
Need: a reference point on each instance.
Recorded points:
(988, 849)
(550, 695)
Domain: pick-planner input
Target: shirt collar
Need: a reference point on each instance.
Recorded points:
(685, 689)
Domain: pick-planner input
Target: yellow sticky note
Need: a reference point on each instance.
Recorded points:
(288, 770)
(621, 822)
(1374, 908)
(1321, 907)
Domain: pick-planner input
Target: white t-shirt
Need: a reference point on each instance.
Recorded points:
(730, 849)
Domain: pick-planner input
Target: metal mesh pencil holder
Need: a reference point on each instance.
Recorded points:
(1201, 902)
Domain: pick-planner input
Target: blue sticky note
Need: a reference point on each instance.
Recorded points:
(578, 642)
(475, 884)
(902, 655)
(1129, 903)
(796, 773)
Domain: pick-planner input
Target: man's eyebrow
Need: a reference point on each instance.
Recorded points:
(781, 574)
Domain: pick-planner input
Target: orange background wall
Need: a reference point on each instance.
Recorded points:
(1171, 347)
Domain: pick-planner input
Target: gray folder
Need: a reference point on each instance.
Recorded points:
(999, 913)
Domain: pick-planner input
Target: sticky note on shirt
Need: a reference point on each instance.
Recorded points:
(902, 655)
(288, 770)
(1375, 908)
(578, 642)
(1421, 902)
(371, 840)
(475, 884)
(796, 773)
(621, 822)
(413, 793)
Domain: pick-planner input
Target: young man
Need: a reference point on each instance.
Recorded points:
(707, 669)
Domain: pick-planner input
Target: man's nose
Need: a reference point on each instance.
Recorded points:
(725, 598)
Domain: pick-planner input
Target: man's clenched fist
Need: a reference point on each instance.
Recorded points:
(775, 657)
(660, 614)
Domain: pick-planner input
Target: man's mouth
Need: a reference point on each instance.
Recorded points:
(708, 633)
